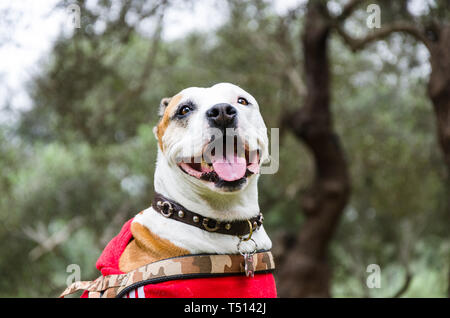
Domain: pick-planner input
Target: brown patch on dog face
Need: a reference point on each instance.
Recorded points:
(165, 120)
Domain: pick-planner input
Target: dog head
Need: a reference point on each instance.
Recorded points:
(214, 136)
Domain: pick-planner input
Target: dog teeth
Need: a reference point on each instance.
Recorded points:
(197, 159)
(206, 167)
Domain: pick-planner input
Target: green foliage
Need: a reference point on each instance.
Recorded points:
(54, 184)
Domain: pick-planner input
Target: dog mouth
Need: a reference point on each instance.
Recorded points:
(225, 167)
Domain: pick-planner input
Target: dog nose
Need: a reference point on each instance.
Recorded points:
(222, 116)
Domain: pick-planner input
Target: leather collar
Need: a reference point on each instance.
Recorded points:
(172, 210)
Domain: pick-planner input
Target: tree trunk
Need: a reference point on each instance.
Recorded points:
(439, 89)
(305, 271)
(439, 93)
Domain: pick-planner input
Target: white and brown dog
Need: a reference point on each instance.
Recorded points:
(194, 171)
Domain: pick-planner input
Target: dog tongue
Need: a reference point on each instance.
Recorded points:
(230, 168)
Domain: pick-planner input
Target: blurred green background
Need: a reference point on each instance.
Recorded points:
(79, 162)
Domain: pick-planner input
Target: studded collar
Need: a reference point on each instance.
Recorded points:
(172, 210)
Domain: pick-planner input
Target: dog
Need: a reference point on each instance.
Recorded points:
(206, 184)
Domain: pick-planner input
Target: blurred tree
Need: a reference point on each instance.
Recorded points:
(433, 31)
(305, 271)
(435, 35)
(95, 57)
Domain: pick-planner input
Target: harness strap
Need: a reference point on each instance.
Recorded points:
(189, 266)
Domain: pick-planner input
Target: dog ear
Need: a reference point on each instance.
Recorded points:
(162, 106)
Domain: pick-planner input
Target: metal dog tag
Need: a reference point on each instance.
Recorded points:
(248, 265)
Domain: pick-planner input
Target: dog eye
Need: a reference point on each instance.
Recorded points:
(242, 101)
(184, 110)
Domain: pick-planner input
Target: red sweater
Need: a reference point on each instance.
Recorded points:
(238, 286)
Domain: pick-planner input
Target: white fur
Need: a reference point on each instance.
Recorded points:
(196, 240)
(198, 196)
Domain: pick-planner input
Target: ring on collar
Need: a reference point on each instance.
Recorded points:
(243, 253)
(208, 228)
(166, 208)
(241, 238)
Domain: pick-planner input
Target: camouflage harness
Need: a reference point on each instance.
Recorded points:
(190, 266)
